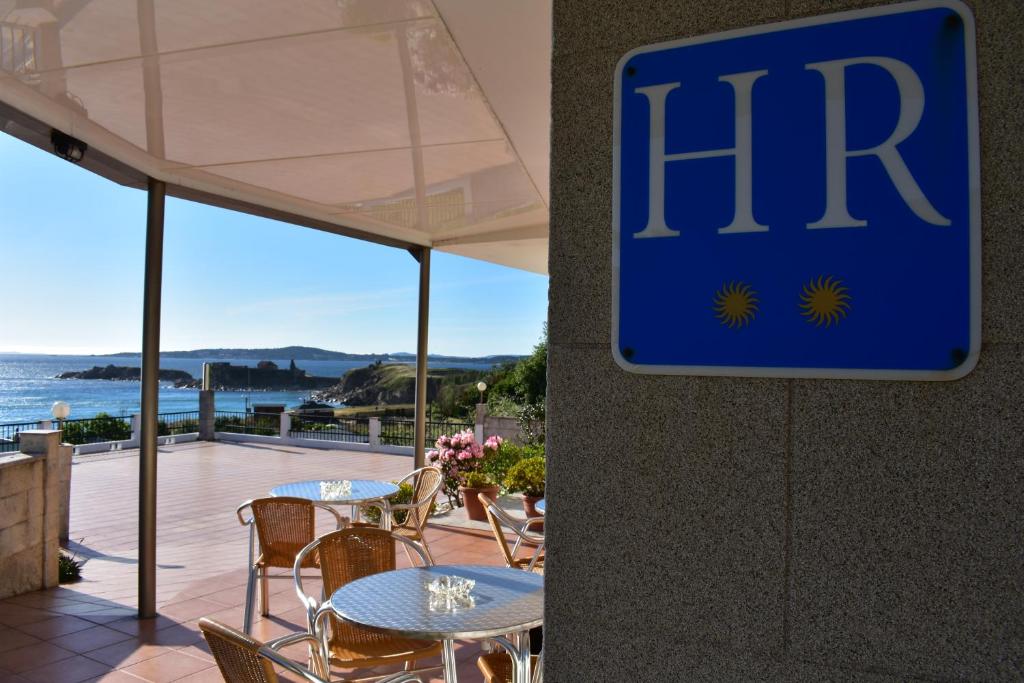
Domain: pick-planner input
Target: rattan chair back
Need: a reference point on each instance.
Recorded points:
(501, 520)
(284, 526)
(426, 483)
(348, 555)
(236, 654)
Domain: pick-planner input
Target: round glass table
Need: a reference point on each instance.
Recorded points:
(360, 491)
(503, 601)
(540, 506)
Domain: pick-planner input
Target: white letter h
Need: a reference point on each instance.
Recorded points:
(743, 216)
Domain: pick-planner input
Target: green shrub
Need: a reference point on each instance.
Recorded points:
(496, 465)
(180, 427)
(68, 568)
(527, 476)
(98, 429)
(403, 497)
(477, 480)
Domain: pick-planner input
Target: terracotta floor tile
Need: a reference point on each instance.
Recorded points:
(18, 615)
(199, 650)
(133, 626)
(114, 677)
(211, 675)
(71, 670)
(92, 639)
(109, 614)
(33, 656)
(11, 638)
(53, 628)
(169, 667)
(124, 654)
(8, 677)
(179, 635)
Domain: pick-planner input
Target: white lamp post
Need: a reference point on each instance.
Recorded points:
(60, 411)
(481, 387)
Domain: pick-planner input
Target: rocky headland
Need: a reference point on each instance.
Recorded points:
(392, 384)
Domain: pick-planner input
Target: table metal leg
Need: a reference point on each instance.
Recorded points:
(521, 670)
(448, 657)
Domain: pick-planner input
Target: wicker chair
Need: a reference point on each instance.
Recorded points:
(497, 667)
(244, 660)
(284, 526)
(426, 482)
(500, 520)
(345, 556)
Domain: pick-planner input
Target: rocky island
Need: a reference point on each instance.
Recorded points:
(120, 373)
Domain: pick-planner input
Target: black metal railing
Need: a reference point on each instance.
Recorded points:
(10, 435)
(348, 430)
(403, 432)
(261, 424)
(99, 429)
(171, 424)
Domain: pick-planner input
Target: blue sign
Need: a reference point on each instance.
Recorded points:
(801, 199)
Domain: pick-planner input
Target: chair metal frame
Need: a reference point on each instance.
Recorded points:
(536, 664)
(255, 572)
(388, 509)
(318, 611)
(269, 652)
(498, 519)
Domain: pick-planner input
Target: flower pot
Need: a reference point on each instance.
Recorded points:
(529, 507)
(474, 509)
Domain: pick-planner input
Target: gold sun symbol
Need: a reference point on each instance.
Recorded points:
(825, 301)
(735, 304)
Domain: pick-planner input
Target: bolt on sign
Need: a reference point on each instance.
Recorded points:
(801, 199)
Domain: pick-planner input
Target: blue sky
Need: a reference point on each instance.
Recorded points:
(71, 274)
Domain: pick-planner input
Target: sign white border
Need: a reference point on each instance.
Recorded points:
(974, 193)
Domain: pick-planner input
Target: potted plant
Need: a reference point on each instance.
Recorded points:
(474, 483)
(456, 455)
(527, 476)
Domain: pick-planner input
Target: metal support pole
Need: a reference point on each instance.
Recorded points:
(150, 387)
(419, 450)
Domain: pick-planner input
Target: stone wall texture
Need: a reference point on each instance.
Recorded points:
(34, 491)
(767, 529)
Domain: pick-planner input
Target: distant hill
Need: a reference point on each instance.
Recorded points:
(313, 353)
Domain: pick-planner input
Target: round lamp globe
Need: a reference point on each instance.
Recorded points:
(60, 410)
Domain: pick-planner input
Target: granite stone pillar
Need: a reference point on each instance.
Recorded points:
(207, 416)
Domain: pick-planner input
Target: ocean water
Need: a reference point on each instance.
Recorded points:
(28, 386)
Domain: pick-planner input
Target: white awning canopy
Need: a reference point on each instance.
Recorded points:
(406, 122)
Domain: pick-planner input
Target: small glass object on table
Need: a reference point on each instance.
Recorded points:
(450, 593)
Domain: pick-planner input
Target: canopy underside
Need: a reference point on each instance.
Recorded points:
(407, 122)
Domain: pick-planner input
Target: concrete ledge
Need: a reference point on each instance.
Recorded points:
(13, 459)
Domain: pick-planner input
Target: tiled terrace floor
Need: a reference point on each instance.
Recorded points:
(88, 630)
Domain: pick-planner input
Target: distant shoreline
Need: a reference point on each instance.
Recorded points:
(313, 353)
